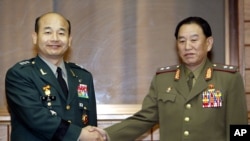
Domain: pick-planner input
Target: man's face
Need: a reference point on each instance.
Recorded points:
(53, 37)
(193, 45)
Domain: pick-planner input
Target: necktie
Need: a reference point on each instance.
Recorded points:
(190, 80)
(62, 81)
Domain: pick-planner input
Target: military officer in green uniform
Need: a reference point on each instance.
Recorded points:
(205, 111)
(40, 108)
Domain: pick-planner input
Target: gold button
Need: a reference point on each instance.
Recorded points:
(187, 119)
(186, 133)
(68, 107)
(49, 103)
(188, 106)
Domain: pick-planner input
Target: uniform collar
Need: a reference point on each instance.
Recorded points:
(54, 67)
(197, 71)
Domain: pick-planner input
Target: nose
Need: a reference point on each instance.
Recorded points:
(188, 45)
(54, 37)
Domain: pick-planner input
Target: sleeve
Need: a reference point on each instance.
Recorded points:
(236, 108)
(26, 109)
(134, 126)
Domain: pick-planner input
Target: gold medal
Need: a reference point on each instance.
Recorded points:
(47, 90)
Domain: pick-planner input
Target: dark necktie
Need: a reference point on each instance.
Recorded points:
(190, 80)
(62, 81)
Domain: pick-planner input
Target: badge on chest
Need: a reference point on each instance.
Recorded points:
(211, 98)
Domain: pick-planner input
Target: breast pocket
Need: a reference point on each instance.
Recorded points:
(166, 97)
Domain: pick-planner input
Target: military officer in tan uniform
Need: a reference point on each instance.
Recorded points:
(215, 99)
(40, 108)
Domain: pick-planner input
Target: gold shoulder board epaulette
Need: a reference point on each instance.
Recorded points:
(167, 69)
(226, 68)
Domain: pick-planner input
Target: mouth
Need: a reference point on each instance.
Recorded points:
(54, 46)
(189, 54)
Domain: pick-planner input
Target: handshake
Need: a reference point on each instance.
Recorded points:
(91, 133)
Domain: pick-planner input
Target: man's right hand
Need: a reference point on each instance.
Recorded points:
(88, 134)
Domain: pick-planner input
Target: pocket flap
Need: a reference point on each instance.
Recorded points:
(166, 97)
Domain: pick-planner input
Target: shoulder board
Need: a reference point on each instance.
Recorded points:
(167, 69)
(76, 66)
(225, 68)
(25, 63)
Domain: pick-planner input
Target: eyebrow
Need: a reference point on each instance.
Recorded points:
(62, 29)
(194, 35)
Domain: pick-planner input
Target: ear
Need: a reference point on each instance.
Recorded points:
(70, 41)
(34, 38)
(210, 42)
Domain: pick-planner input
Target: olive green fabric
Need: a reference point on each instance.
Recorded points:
(180, 113)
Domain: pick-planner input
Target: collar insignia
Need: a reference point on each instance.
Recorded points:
(42, 72)
(177, 74)
(72, 73)
(208, 74)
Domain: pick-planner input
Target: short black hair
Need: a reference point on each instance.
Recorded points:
(37, 23)
(197, 20)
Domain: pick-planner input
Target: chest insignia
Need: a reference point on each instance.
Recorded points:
(211, 98)
(46, 90)
(48, 98)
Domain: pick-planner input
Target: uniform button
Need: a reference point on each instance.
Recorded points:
(69, 121)
(68, 107)
(188, 106)
(186, 133)
(187, 119)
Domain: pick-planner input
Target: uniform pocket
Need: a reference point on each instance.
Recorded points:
(166, 97)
